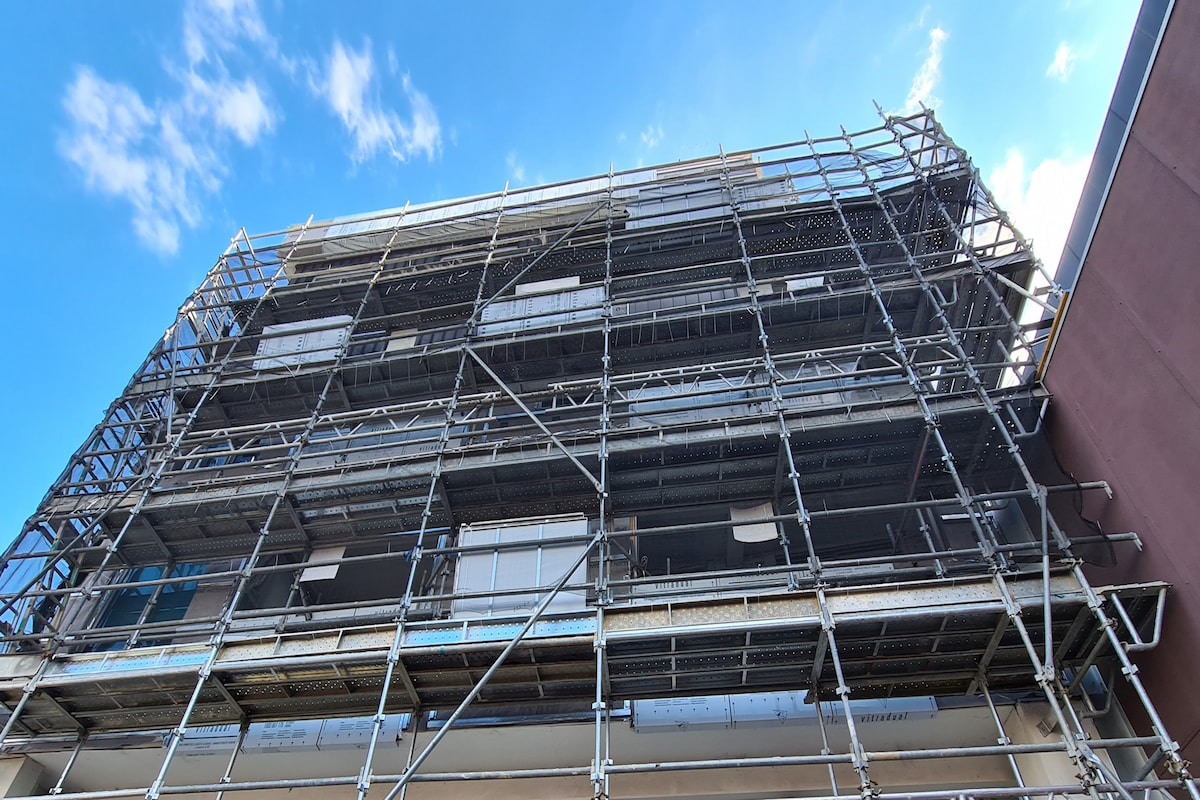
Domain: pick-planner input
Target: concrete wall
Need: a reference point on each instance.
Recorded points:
(1125, 372)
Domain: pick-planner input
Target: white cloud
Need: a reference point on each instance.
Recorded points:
(128, 151)
(515, 168)
(927, 77)
(241, 110)
(348, 86)
(652, 136)
(113, 119)
(921, 19)
(212, 30)
(1041, 203)
(162, 155)
(1063, 64)
(213, 27)
(426, 134)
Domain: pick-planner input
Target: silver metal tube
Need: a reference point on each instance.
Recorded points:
(825, 749)
(541, 425)
(642, 532)
(801, 516)
(1138, 645)
(58, 786)
(16, 712)
(1130, 670)
(1047, 619)
(412, 750)
(243, 580)
(598, 765)
(393, 658)
(601, 762)
(1046, 681)
(636, 768)
(1150, 764)
(1113, 779)
(237, 748)
(1003, 739)
(536, 261)
(983, 530)
(301, 783)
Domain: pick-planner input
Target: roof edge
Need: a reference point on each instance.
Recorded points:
(1140, 56)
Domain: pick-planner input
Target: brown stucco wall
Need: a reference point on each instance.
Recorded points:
(1125, 372)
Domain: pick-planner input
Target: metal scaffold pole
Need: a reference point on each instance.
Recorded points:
(1002, 739)
(785, 436)
(596, 541)
(1128, 669)
(492, 670)
(762, 402)
(243, 579)
(393, 658)
(113, 546)
(1047, 673)
(1179, 767)
(978, 519)
(603, 591)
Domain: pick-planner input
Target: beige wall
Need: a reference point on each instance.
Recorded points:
(573, 744)
(21, 775)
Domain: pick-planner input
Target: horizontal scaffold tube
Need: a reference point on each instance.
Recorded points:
(678, 766)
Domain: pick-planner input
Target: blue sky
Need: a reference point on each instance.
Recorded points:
(140, 136)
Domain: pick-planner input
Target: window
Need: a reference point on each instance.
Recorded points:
(125, 606)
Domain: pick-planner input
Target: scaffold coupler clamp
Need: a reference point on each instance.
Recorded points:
(364, 782)
(869, 790)
(1178, 766)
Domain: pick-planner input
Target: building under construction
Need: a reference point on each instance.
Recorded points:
(719, 479)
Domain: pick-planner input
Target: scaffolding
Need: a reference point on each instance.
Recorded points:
(766, 421)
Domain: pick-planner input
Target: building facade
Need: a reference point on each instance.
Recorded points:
(724, 478)
(1125, 367)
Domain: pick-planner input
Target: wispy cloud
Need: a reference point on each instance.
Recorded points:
(652, 136)
(516, 169)
(212, 28)
(114, 140)
(921, 92)
(241, 109)
(917, 24)
(1041, 202)
(212, 31)
(162, 155)
(348, 85)
(1063, 64)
